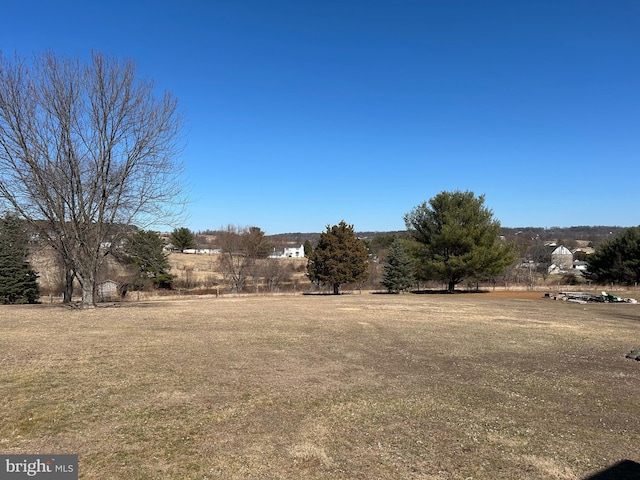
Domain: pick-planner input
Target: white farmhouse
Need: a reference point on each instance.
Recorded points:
(289, 252)
(294, 252)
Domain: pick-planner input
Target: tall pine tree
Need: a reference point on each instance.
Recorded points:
(182, 239)
(460, 238)
(18, 281)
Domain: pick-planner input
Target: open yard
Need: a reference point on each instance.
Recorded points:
(466, 386)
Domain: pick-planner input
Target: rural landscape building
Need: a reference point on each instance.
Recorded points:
(289, 252)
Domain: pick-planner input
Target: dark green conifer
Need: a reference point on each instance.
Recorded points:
(18, 281)
(339, 258)
(182, 239)
(144, 251)
(617, 260)
(460, 238)
(398, 271)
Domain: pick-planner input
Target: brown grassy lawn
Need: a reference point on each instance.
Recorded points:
(472, 386)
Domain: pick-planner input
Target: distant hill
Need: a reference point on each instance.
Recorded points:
(299, 237)
(592, 234)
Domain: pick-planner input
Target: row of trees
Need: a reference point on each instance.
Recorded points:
(453, 237)
(143, 256)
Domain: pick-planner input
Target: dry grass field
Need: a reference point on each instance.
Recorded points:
(466, 386)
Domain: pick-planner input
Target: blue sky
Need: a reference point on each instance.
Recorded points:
(300, 114)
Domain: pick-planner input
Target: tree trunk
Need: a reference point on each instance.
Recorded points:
(69, 275)
(88, 296)
(88, 286)
(452, 286)
(336, 289)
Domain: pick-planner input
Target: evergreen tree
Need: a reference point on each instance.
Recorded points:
(460, 238)
(398, 271)
(182, 239)
(308, 248)
(339, 258)
(144, 251)
(18, 281)
(617, 260)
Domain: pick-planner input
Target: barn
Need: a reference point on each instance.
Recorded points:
(562, 258)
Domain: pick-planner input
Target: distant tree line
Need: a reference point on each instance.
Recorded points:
(567, 236)
(451, 238)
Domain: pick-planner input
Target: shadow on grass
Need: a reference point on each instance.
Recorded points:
(632, 316)
(328, 294)
(623, 470)
(433, 292)
(447, 292)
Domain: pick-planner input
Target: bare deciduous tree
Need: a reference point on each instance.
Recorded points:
(85, 149)
(241, 247)
(274, 272)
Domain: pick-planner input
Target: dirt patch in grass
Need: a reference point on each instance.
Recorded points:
(354, 386)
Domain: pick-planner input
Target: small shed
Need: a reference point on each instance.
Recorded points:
(108, 290)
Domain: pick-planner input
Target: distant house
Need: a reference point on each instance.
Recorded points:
(202, 251)
(294, 252)
(289, 252)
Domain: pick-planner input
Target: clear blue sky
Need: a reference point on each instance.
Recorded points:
(304, 113)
